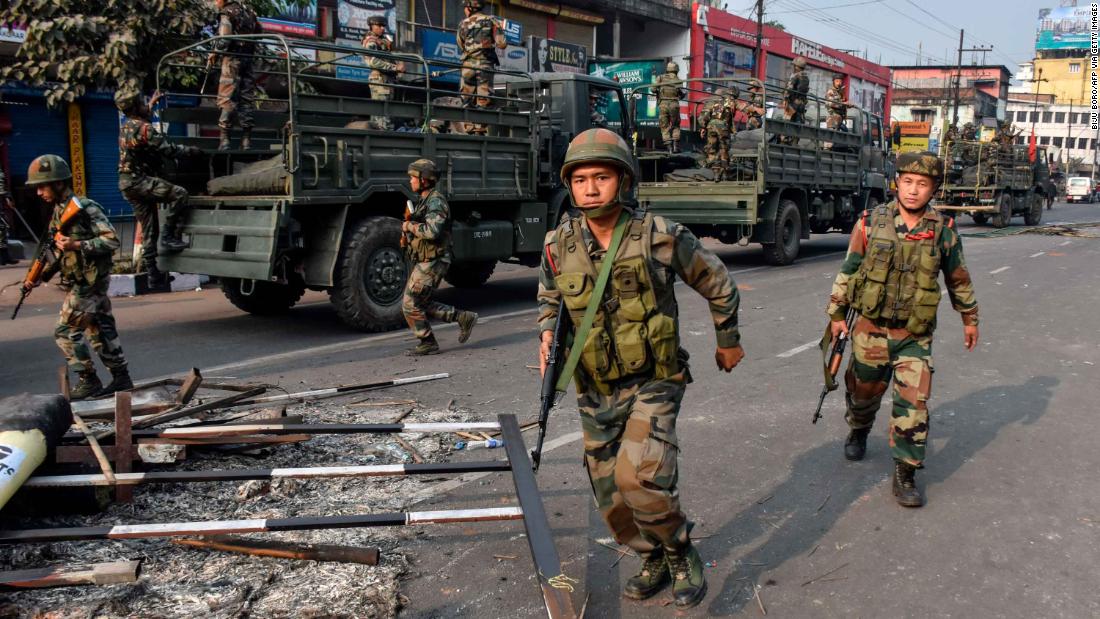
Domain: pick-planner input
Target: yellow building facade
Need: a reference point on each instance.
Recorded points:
(1066, 78)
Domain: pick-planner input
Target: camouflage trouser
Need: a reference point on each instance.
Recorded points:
(668, 118)
(236, 92)
(795, 113)
(417, 304)
(836, 121)
(380, 92)
(476, 79)
(87, 311)
(145, 194)
(718, 144)
(630, 451)
(876, 353)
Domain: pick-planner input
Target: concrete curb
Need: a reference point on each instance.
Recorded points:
(130, 285)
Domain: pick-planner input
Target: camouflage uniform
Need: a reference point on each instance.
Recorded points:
(670, 91)
(893, 333)
(838, 108)
(629, 399)
(141, 151)
(718, 134)
(429, 251)
(754, 111)
(86, 274)
(236, 85)
(477, 37)
(795, 101)
(382, 72)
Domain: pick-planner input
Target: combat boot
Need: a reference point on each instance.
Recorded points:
(170, 239)
(856, 445)
(689, 585)
(427, 346)
(120, 381)
(223, 139)
(156, 279)
(246, 138)
(87, 386)
(466, 322)
(905, 486)
(651, 578)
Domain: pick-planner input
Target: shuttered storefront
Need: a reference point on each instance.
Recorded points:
(101, 124)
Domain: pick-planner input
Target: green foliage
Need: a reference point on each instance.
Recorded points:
(75, 45)
(775, 24)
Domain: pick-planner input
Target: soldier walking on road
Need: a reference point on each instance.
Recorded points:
(426, 237)
(85, 250)
(237, 84)
(142, 151)
(838, 105)
(891, 279)
(382, 71)
(478, 38)
(632, 372)
(5, 204)
(795, 98)
(670, 90)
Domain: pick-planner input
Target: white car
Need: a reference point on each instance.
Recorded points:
(1079, 189)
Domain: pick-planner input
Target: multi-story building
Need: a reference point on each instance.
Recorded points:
(926, 93)
(1065, 130)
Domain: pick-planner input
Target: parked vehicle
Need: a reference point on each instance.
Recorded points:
(994, 183)
(1080, 189)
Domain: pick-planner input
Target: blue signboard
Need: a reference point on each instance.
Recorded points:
(513, 31)
(440, 45)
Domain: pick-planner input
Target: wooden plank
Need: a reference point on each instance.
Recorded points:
(313, 428)
(64, 576)
(285, 550)
(124, 448)
(146, 402)
(189, 387)
(100, 456)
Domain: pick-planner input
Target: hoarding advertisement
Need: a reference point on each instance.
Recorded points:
(630, 75)
(557, 57)
(290, 17)
(440, 45)
(352, 16)
(1066, 27)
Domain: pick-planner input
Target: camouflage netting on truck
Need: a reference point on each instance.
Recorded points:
(267, 177)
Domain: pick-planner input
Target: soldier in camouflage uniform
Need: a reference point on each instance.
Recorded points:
(837, 104)
(629, 386)
(142, 151)
(237, 84)
(890, 278)
(85, 249)
(478, 38)
(670, 90)
(5, 204)
(382, 71)
(716, 129)
(795, 98)
(754, 111)
(426, 237)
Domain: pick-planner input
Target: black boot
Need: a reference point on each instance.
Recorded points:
(689, 584)
(120, 381)
(223, 139)
(246, 138)
(87, 386)
(5, 257)
(427, 346)
(651, 578)
(856, 445)
(905, 486)
(156, 279)
(171, 241)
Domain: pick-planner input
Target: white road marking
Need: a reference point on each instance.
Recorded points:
(1064, 243)
(1000, 270)
(797, 349)
(1037, 254)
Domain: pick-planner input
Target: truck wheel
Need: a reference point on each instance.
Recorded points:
(370, 275)
(263, 298)
(470, 274)
(1035, 210)
(980, 218)
(1003, 216)
(788, 232)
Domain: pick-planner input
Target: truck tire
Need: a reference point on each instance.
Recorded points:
(1003, 216)
(470, 274)
(1035, 210)
(371, 271)
(263, 298)
(980, 218)
(788, 232)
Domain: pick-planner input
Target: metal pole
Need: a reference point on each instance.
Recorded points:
(758, 52)
(1069, 128)
(958, 80)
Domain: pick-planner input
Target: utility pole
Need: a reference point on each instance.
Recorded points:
(958, 73)
(1069, 128)
(758, 53)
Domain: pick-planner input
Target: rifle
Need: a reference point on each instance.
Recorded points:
(549, 396)
(835, 356)
(405, 242)
(45, 256)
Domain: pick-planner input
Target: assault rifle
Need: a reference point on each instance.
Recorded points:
(46, 256)
(550, 395)
(833, 359)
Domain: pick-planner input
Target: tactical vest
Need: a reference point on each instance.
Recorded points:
(477, 38)
(133, 135)
(76, 269)
(668, 88)
(898, 279)
(629, 335)
(424, 250)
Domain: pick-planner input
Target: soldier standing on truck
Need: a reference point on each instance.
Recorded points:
(795, 98)
(670, 90)
(85, 248)
(633, 372)
(477, 37)
(382, 71)
(717, 133)
(142, 149)
(891, 279)
(426, 237)
(237, 84)
(755, 108)
(837, 104)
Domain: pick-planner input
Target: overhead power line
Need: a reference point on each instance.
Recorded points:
(826, 8)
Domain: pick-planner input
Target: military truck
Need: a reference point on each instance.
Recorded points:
(318, 200)
(994, 183)
(784, 180)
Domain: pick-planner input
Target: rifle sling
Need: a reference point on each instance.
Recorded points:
(581, 335)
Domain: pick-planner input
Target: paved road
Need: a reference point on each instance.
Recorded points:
(1011, 528)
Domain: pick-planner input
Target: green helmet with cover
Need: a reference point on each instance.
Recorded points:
(924, 163)
(425, 170)
(672, 67)
(606, 147)
(48, 169)
(733, 92)
(800, 62)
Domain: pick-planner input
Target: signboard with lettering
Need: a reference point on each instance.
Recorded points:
(292, 17)
(630, 75)
(440, 45)
(1065, 27)
(352, 16)
(76, 149)
(553, 56)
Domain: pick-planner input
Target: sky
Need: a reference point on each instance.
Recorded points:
(892, 30)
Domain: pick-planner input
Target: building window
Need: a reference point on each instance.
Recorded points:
(1045, 140)
(1082, 143)
(1021, 116)
(1058, 141)
(924, 116)
(1035, 117)
(1060, 118)
(1047, 116)
(1075, 67)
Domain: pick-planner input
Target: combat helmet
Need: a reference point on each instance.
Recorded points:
(473, 5)
(127, 98)
(376, 20)
(733, 92)
(425, 170)
(672, 67)
(924, 163)
(800, 62)
(48, 169)
(601, 146)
